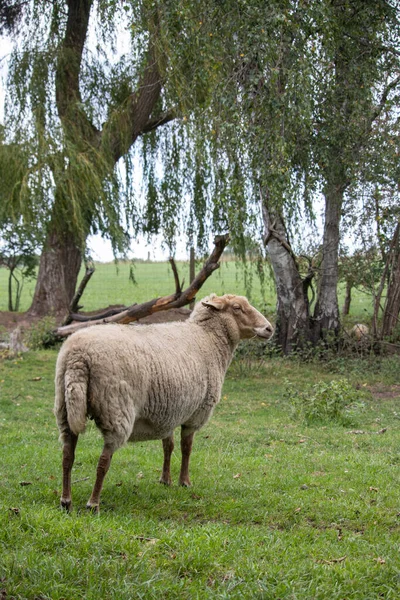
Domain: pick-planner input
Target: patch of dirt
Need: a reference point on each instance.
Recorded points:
(165, 316)
(11, 320)
(384, 392)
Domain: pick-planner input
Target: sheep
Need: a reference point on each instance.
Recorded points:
(359, 332)
(141, 382)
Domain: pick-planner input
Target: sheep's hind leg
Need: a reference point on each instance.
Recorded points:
(168, 447)
(102, 468)
(186, 448)
(70, 441)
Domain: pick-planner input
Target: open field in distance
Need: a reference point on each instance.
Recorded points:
(111, 285)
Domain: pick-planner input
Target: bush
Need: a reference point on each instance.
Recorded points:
(41, 334)
(336, 401)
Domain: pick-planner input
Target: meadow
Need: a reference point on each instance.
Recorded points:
(280, 508)
(111, 284)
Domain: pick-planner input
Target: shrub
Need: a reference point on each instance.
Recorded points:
(41, 334)
(336, 401)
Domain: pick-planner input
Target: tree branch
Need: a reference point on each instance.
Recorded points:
(155, 122)
(377, 300)
(378, 109)
(178, 286)
(125, 125)
(73, 307)
(68, 96)
(177, 300)
(82, 318)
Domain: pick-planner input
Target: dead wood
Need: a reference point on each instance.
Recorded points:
(74, 306)
(178, 299)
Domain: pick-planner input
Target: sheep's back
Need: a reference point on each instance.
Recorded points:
(162, 373)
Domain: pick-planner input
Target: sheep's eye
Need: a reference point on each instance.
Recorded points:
(237, 307)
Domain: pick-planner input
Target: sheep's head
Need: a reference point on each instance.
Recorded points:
(238, 310)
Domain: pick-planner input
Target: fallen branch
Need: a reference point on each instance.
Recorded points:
(177, 300)
(100, 315)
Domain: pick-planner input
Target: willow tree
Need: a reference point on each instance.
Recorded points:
(308, 82)
(80, 110)
(275, 99)
(76, 136)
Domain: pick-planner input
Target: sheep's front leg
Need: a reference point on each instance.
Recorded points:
(70, 441)
(186, 448)
(102, 468)
(168, 447)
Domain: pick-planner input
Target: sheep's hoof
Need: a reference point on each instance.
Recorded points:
(185, 483)
(66, 504)
(93, 508)
(166, 481)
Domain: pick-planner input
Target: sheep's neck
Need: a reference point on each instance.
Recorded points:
(224, 344)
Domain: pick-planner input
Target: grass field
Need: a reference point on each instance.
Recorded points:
(110, 285)
(278, 509)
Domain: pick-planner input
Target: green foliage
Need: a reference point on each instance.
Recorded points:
(41, 334)
(325, 402)
(260, 97)
(17, 255)
(362, 269)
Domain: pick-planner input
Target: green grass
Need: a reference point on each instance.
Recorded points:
(110, 285)
(277, 509)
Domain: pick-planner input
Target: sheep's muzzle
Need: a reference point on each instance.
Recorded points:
(264, 332)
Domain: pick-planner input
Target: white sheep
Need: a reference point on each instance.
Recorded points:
(359, 332)
(141, 382)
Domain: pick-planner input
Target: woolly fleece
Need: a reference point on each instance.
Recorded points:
(141, 382)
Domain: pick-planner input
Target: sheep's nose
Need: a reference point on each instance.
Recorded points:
(268, 328)
(265, 332)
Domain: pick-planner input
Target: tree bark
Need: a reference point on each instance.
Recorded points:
(59, 267)
(326, 321)
(347, 298)
(292, 328)
(391, 310)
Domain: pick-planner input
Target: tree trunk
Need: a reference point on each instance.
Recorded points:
(59, 267)
(326, 322)
(392, 306)
(347, 298)
(293, 323)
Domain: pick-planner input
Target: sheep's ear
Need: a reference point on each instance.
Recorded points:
(214, 303)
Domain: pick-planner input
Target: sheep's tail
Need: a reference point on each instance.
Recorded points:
(70, 406)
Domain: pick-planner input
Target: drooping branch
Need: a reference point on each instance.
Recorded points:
(176, 300)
